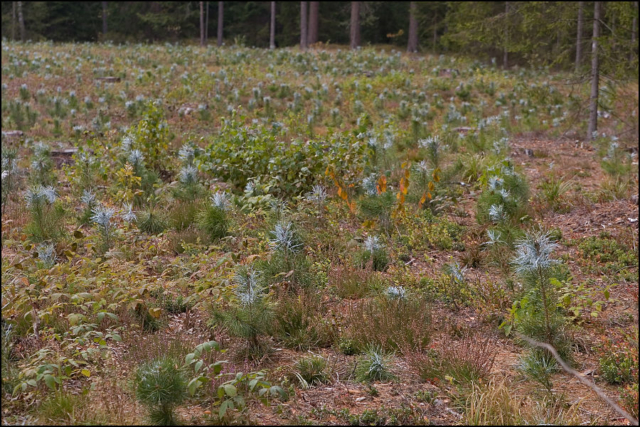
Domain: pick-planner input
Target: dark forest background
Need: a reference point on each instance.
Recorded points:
(532, 33)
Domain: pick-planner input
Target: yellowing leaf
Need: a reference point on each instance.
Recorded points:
(86, 373)
(431, 186)
(404, 185)
(155, 312)
(422, 200)
(368, 224)
(382, 184)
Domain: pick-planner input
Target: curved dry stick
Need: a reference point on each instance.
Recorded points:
(583, 380)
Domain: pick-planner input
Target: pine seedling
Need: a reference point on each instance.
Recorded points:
(161, 386)
(46, 216)
(102, 218)
(374, 366)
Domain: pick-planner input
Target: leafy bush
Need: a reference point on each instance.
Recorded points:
(151, 136)
(619, 364)
(292, 271)
(242, 153)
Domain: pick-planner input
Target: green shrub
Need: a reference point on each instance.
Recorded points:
(151, 136)
(619, 364)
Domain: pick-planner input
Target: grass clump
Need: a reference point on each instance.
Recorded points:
(389, 323)
(61, 407)
(311, 370)
(352, 284)
(299, 321)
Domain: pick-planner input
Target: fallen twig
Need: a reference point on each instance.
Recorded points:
(582, 379)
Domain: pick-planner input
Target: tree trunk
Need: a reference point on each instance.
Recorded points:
(435, 33)
(21, 22)
(505, 58)
(201, 23)
(104, 18)
(272, 30)
(579, 37)
(593, 107)
(13, 22)
(206, 25)
(220, 21)
(303, 25)
(634, 31)
(355, 24)
(314, 8)
(412, 47)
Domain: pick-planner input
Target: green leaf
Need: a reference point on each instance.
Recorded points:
(507, 329)
(217, 368)
(32, 383)
(223, 409)
(50, 381)
(230, 390)
(199, 365)
(606, 294)
(189, 358)
(193, 386)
